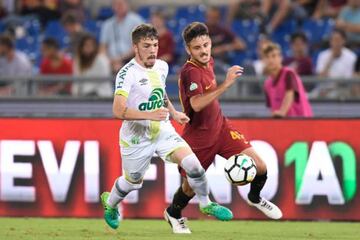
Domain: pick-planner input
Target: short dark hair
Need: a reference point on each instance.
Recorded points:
(194, 30)
(51, 43)
(6, 41)
(144, 31)
(270, 47)
(341, 32)
(70, 18)
(299, 35)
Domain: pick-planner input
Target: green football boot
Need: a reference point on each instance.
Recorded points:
(218, 211)
(111, 215)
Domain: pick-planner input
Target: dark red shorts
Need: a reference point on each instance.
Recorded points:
(229, 142)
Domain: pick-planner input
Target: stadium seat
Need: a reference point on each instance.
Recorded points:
(318, 30)
(94, 27)
(29, 45)
(176, 27)
(105, 13)
(238, 57)
(146, 11)
(32, 27)
(282, 34)
(55, 30)
(2, 27)
(191, 13)
(224, 10)
(248, 30)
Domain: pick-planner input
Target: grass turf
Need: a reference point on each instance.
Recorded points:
(50, 228)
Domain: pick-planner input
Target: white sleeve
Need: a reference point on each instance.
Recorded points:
(353, 64)
(321, 62)
(105, 32)
(104, 65)
(124, 81)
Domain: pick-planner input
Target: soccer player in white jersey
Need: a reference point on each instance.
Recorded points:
(146, 129)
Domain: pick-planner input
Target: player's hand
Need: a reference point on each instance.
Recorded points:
(159, 114)
(231, 75)
(180, 117)
(277, 114)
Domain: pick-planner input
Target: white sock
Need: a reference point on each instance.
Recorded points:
(201, 189)
(119, 191)
(196, 178)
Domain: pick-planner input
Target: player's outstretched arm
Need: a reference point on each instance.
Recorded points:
(179, 117)
(200, 101)
(285, 105)
(121, 111)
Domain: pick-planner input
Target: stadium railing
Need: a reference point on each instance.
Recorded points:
(244, 99)
(246, 88)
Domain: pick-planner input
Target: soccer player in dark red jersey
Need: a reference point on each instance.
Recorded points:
(208, 132)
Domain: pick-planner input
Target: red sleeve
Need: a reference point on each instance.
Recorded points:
(68, 68)
(43, 67)
(307, 67)
(192, 82)
(291, 84)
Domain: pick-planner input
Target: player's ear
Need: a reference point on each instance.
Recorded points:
(187, 49)
(135, 48)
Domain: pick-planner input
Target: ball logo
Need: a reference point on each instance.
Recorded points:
(156, 100)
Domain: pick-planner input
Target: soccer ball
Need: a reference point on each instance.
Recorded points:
(240, 169)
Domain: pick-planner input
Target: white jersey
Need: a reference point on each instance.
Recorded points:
(144, 89)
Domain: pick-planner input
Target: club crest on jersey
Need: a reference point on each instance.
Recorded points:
(193, 86)
(156, 100)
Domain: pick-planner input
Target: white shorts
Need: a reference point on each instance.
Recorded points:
(136, 158)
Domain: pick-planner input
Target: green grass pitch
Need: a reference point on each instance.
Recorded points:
(71, 228)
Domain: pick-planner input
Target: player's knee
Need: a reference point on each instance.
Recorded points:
(129, 185)
(196, 173)
(192, 166)
(260, 164)
(134, 178)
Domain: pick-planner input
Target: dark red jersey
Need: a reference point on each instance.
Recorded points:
(204, 127)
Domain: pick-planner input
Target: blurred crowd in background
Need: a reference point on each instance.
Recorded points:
(79, 38)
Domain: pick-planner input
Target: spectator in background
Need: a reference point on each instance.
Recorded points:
(223, 40)
(13, 63)
(166, 40)
(304, 8)
(3, 11)
(44, 10)
(89, 62)
(115, 37)
(285, 93)
(73, 26)
(243, 9)
(349, 21)
(337, 61)
(7, 7)
(75, 6)
(328, 8)
(274, 13)
(257, 67)
(300, 60)
(54, 62)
